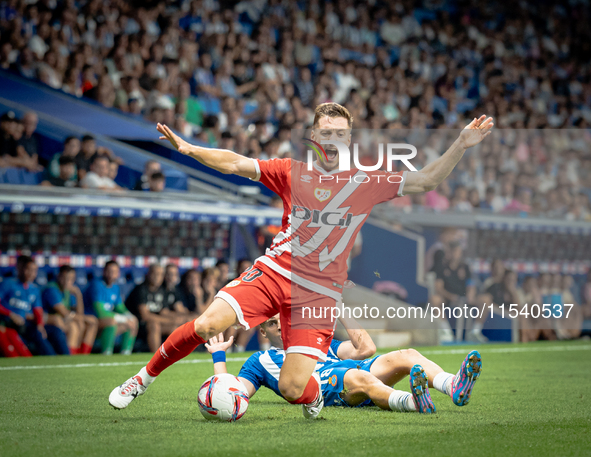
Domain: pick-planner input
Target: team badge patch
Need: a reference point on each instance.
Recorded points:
(322, 194)
(233, 283)
(333, 380)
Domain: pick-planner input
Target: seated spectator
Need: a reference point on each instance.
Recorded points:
(22, 331)
(10, 133)
(533, 329)
(98, 176)
(157, 182)
(62, 301)
(28, 146)
(192, 292)
(150, 167)
(71, 149)
(113, 170)
(103, 299)
(210, 278)
(174, 295)
(148, 302)
(87, 154)
(67, 169)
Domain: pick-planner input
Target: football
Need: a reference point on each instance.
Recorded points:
(223, 397)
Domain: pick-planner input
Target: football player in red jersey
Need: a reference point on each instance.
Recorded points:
(305, 267)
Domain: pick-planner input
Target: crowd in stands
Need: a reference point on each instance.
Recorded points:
(81, 163)
(456, 285)
(242, 77)
(59, 318)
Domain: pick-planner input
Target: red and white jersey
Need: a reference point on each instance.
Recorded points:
(322, 215)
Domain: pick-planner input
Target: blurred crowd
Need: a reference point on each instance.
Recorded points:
(456, 285)
(60, 318)
(242, 75)
(81, 163)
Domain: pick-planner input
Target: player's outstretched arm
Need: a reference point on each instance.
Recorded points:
(222, 160)
(433, 174)
(217, 344)
(360, 345)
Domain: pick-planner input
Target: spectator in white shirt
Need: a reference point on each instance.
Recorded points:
(98, 177)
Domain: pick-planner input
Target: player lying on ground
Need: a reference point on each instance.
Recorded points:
(315, 277)
(353, 382)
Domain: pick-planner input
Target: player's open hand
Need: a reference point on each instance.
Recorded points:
(476, 131)
(217, 343)
(177, 142)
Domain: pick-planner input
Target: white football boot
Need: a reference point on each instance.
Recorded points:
(123, 395)
(312, 410)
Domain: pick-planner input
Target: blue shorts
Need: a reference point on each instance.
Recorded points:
(332, 380)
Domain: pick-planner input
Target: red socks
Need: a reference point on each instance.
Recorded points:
(12, 345)
(178, 345)
(84, 349)
(310, 393)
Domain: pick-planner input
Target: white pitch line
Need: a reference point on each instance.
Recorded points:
(112, 364)
(493, 350)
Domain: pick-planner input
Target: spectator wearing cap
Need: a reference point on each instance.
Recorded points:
(150, 167)
(71, 150)
(67, 169)
(98, 176)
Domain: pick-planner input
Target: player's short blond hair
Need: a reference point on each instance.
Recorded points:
(332, 110)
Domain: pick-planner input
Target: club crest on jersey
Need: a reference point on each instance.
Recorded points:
(322, 194)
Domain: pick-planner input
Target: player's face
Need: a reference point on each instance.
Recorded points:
(28, 273)
(66, 280)
(273, 332)
(172, 276)
(111, 274)
(331, 129)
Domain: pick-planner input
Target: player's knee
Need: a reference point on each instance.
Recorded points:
(108, 322)
(290, 389)
(206, 327)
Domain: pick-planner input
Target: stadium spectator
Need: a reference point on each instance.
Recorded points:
(67, 170)
(192, 291)
(209, 282)
(63, 303)
(7, 141)
(242, 265)
(174, 298)
(102, 299)
(150, 167)
(22, 330)
(157, 182)
(148, 301)
(586, 297)
(98, 176)
(533, 329)
(29, 142)
(224, 269)
(86, 156)
(71, 149)
(454, 287)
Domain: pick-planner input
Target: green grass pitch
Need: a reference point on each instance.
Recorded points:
(530, 400)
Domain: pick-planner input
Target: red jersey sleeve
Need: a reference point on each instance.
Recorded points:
(386, 185)
(274, 174)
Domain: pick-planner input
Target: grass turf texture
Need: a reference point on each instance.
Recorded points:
(532, 402)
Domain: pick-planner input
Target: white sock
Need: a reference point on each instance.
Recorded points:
(146, 378)
(442, 382)
(240, 348)
(477, 327)
(401, 401)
